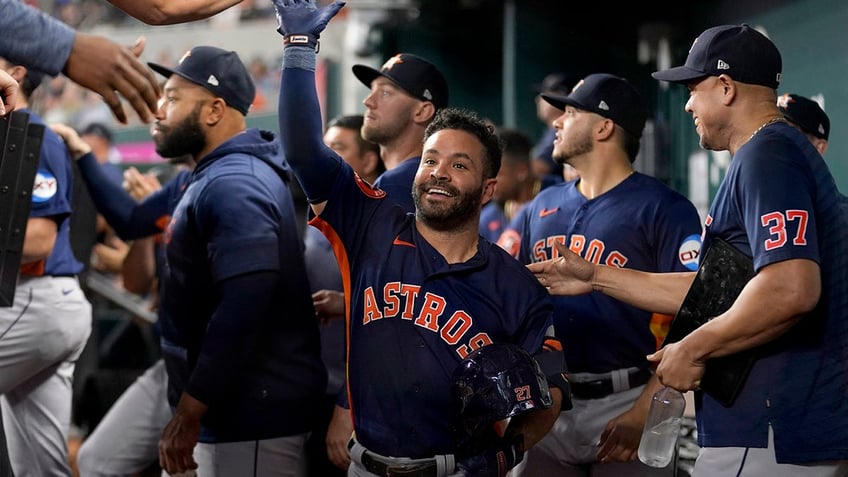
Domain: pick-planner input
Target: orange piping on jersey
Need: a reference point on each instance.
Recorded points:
(162, 222)
(367, 189)
(344, 267)
(659, 327)
(552, 344)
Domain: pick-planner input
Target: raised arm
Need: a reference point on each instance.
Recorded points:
(314, 164)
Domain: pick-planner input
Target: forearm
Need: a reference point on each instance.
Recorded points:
(39, 239)
(139, 267)
(300, 125)
(768, 306)
(33, 38)
(121, 211)
(536, 424)
(166, 12)
(654, 292)
(232, 333)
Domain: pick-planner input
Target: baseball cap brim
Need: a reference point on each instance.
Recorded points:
(366, 74)
(167, 72)
(678, 74)
(559, 102)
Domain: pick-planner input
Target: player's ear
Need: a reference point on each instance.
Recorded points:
(604, 128)
(424, 112)
(488, 190)
(214, 111)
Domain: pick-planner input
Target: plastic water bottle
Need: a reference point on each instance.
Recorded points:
(659, 438)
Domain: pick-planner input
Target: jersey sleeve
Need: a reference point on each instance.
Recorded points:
(776, 196)
(677, 235)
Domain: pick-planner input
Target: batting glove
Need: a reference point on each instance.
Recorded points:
(495, 461)
(301, 21)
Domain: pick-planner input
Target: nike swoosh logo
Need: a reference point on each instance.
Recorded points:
(547, 212)
(67, 292)
(398, 241)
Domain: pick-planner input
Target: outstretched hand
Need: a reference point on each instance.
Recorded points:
(569, 274)
(303, 17)
(112, 70)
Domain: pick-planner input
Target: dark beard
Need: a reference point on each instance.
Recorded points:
(448, 218)
(186, 138)
(583, 147)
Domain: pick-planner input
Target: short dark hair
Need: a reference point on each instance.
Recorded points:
(468, 121)
(516, 144)
(354, 123)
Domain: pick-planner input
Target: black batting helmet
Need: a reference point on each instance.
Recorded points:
(491, 384)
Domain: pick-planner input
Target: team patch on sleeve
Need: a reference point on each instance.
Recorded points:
(45, 187)
(689, 252)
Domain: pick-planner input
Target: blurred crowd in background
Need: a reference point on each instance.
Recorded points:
(61, 100)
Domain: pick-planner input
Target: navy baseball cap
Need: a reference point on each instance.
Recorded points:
(220, 71)
(610, 96)
(415, 75)
(739, 51)
(806, 114)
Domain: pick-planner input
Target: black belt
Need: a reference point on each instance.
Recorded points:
(599, 388)
(427, 469)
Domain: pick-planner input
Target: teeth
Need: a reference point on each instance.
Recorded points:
(438, 191)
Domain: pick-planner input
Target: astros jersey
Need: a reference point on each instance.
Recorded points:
(413, 317)
(51, 197)
(492, 220)
(640, 224)
(778, 201)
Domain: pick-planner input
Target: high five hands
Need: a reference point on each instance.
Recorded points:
(303, 17)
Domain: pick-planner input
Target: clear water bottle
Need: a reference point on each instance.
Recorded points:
(659, 438)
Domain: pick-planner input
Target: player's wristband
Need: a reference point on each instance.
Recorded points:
(301, 39)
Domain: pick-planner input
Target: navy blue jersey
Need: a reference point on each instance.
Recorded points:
(262, 371)
(778, 201)
(397, 183)
(493, 221)
(640, 224)
(51, 197)
(412, 316)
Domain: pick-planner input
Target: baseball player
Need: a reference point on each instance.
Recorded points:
(405, 94)
(517, 185)
(808, 116)
(615, 216)
(239, 336)
(423, 290)
(778, 204)
(44, 331)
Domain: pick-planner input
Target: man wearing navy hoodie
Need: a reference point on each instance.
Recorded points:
(239, 335)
